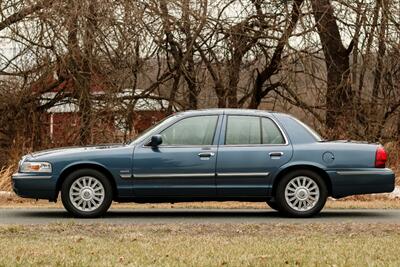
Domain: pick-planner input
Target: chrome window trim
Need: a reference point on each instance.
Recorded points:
(186, 146)
(235, 174)
(25, 176)
(254, 145)
(144, 144)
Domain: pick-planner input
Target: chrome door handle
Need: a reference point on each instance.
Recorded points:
(206, 154)
(276, 154)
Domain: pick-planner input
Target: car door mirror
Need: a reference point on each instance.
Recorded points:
(156, 140)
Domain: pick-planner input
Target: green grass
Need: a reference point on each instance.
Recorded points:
(201, 245)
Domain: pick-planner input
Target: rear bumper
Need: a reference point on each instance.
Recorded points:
(348, 182)
(37, 186)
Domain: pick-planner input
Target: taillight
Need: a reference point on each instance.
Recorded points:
(380, 157)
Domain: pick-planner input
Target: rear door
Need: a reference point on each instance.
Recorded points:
(251, 150)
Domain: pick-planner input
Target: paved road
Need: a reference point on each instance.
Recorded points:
(159, 216)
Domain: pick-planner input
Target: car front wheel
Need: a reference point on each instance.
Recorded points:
(272, 204)
(301, 193)
(86, 193)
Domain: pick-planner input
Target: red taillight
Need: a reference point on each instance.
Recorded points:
(380, 157)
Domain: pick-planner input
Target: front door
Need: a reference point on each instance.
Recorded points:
(183, 165)
(251, 152)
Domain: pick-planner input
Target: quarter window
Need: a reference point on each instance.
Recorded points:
(248, 130)
(270, 132)
(191, 131)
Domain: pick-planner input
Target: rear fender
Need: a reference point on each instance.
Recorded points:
(313, 166)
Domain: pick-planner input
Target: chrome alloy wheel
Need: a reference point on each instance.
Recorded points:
(302, 193)
(86, 193)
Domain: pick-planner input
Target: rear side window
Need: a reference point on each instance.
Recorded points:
(250, 130)
(242, 130)
(191, 131)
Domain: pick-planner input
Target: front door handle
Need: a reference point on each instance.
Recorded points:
(275, 154)
(206, 154)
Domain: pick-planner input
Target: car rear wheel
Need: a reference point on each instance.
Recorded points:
(86, 193)
(301, 193)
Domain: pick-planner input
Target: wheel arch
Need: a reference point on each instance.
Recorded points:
(303, 166)
(86, 165)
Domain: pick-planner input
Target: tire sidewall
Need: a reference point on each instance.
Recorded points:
(272, 204)
(72, 178)
(281, 200)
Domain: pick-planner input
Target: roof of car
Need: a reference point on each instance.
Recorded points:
(225, 111)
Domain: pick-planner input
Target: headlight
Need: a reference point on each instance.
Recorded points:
(35, 167)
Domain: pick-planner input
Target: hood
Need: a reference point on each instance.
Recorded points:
(71, 150)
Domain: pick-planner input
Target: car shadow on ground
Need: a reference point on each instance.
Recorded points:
(206, 214)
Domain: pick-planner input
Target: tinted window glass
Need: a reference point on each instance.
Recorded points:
(191, 131)
(243, 130)
(271, 133)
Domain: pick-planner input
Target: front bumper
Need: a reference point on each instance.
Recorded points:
(37, 186)
(348, 182)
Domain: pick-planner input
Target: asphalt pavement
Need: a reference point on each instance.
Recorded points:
(198, 216)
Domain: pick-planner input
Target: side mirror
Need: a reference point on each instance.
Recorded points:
(156, 140)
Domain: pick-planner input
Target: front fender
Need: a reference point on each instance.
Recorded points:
(82, 163)
(62, 174)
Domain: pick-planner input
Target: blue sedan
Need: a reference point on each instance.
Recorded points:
(209, 155)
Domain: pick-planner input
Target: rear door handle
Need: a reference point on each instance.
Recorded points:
(206, 154)
(275, 154)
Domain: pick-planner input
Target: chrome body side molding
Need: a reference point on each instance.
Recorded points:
(366, 172)
(173, 175)
(29, 176)
(177, 175)
(252, 174)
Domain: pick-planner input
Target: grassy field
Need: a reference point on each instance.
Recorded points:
(201, 245)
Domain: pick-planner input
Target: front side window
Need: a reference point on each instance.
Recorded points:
(250, 130)
(194, 131)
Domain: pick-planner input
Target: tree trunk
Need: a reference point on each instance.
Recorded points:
(339, 96)
(80, 66)
(233, 77)
(381, 52)
(190, 75)
(220, 92)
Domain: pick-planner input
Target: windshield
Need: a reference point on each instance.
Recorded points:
(149, 131)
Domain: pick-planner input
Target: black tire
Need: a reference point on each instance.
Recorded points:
(104, 205)
(272, 204)
(286, 208)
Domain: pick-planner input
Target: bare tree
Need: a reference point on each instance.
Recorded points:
(339, 96)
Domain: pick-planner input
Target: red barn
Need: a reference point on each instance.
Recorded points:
(62, 120)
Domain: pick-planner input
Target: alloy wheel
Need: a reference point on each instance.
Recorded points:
(302, 193)
(86, 193)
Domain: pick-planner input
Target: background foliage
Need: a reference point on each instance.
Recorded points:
(334, 64)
